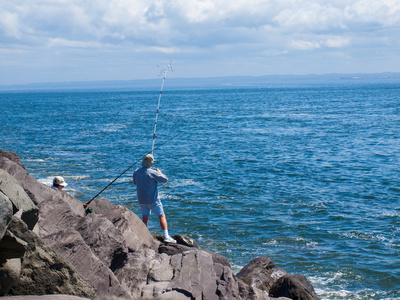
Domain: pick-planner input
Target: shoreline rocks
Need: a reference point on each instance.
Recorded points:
(48, 245)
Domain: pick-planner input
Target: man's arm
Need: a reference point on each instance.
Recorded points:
(159, 176)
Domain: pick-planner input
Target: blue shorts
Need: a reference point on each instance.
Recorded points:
(156, 207)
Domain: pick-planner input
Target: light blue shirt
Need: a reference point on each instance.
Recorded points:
(146, 179)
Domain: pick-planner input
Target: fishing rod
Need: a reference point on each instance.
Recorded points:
(169, 67)
(87, 203)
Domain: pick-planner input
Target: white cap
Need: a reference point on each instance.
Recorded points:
(59, 181)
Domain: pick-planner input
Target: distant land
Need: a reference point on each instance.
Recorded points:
(194, 83)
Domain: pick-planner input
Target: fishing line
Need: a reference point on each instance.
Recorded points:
(169, 67)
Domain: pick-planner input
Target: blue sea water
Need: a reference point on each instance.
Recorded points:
(306, 173)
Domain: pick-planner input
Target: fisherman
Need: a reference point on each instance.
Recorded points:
(59, 183)
(146, 179)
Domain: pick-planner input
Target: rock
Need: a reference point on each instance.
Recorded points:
(260, 273)
(104, 240)
(133, 230)
(185, 240)
(71, 246)
(12, 156)
(11, 247)
(192, 274)
(10, 273)
(85, 241)
(6, 212)
(180, 239)
(295, 287)
(133, 276)
(20, 200)
(250, 293)
(43, 270)
(172, 249)
(35, 190)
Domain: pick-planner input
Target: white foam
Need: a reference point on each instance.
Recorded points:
(34, 160)
(183, 182)
(77, 177)
(112, 127)
(47, 181)
(390, 213)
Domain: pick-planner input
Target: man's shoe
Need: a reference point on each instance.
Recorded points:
(169, 239)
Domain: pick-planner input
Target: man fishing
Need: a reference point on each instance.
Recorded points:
(146, 180)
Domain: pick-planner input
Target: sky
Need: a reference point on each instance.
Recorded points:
(91, 40)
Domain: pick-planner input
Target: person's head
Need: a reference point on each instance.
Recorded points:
(59, 182)
(148, 160)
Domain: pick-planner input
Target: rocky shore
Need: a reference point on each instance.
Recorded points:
(51, 249)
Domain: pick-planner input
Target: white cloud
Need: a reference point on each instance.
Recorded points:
(205, 30)
(304, 45)
(337, 42)
(9, 24)
(57, 42)
(383, 13)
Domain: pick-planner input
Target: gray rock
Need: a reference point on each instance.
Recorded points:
(35, 190)
(193, 274)
(43, 270)
(11, 247)
(180, 239)
(260, 273)
(11, 156)
(295, 287)
(20, 200)
(134, 232)
(172, 249)
(10, 273)
(81, 240)
(133, 276)
(6, 212)
(104, 240)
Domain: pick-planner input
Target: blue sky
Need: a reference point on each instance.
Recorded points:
(76, 40)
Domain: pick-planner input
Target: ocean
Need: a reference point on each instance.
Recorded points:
(304, 172)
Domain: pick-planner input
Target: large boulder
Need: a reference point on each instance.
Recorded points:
(261, 273)
(43, 271)
(295, 287)
(10, 273)
(195, 274)
(133, 230)
(71, 246)
(12, 156)
(6, 212)
(133, 276)
(10, 187)
(11, 248)
(36, 191)
(90, 243)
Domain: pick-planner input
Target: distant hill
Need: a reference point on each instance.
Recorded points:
(189, 83)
